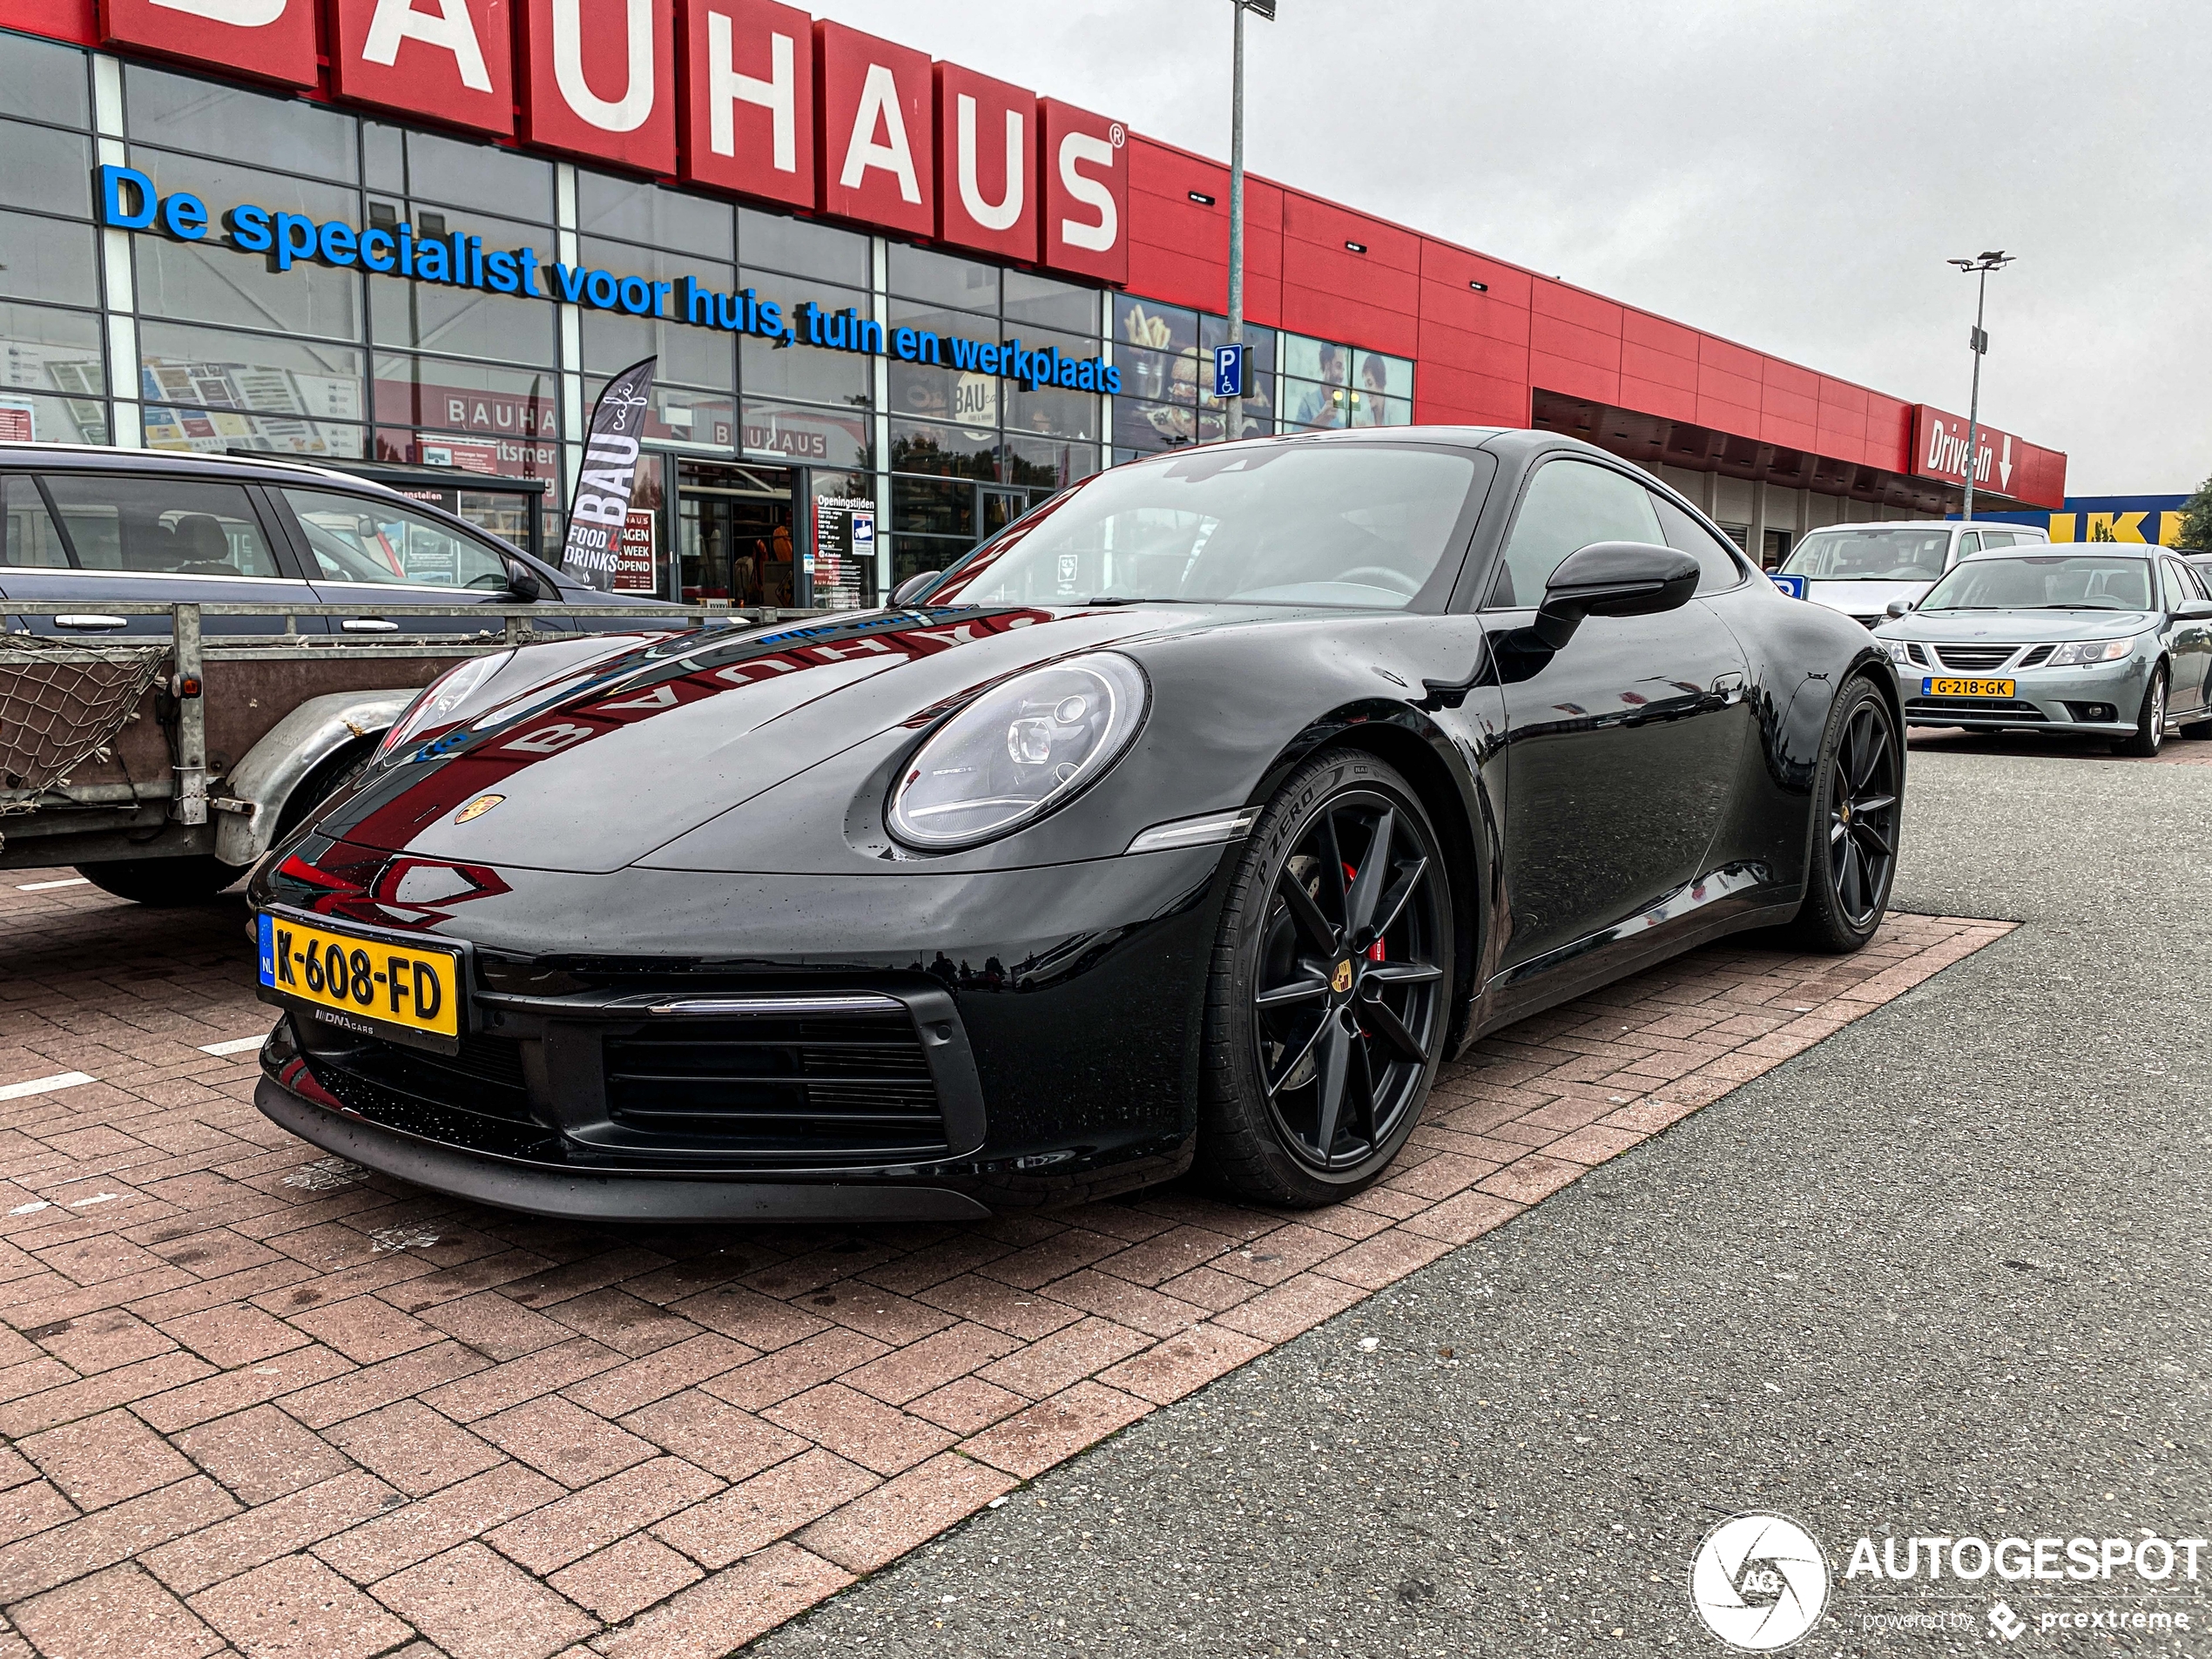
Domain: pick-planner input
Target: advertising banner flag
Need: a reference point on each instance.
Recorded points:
(600, 508)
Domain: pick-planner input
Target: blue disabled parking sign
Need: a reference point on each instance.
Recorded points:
(1229, 371)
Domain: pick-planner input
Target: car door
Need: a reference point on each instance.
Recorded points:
(1623, 746)
(2188, 643)
(368, 552)
(102, 537)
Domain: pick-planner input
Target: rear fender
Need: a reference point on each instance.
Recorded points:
(292, 748)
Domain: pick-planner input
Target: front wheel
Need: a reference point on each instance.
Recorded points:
(1329, 995)
(2150, 721)
(1858, 805)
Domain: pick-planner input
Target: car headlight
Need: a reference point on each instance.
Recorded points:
(440, 699)
(1020, 750)
(1900, 651)
(2091, 651)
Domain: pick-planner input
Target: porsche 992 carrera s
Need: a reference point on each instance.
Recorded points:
(1193, 820)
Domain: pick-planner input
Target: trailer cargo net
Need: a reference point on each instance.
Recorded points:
(61, 702)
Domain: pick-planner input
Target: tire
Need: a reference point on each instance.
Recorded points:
(1857, 810)
(163, 883)
(1306, 1096)
(2150, 721)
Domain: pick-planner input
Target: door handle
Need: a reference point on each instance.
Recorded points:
(89, 621)
(1728, 688)
(368, 625)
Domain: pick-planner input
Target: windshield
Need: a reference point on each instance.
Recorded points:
(2045, 582)
(1328, 523)
(1868, 554)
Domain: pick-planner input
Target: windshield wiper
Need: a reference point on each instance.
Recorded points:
(1113, 599)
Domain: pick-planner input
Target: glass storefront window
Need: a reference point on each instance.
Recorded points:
(924, 447)
(44, 82)
(215, 432)
(1051, 411)
(678, 415)
(26, 415)
(808, 374)
(47, 258)
(800, 247)
(820, 437)
(480, 399)
(47, 169)
(211, 370)
(1043, 463)
(463, 321)
(210, 282)
(933, 507)
(472, 452)
(479, 175)
(691, 356)
(620, 207)
(1040, 302)
(203, 119)
(46, 350)
(943, 279)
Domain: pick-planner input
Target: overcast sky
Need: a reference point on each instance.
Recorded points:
(1789, 174)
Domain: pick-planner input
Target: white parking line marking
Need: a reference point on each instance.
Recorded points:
(46, 1085)
(236, 1045)
(45, 887)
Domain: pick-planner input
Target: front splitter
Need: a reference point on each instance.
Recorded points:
(591, 1197)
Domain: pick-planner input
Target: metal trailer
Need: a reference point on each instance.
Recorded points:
(162, 769)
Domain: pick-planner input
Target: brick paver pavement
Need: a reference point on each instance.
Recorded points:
(256, 1401)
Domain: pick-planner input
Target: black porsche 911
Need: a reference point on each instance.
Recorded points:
(1195, 818)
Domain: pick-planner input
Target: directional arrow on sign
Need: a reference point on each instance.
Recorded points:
(2004, 467)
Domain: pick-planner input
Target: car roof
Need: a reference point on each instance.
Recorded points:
(2062, 549)
(274, 470)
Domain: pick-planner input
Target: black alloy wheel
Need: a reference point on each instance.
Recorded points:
(1328, 1016)
(1859, 805)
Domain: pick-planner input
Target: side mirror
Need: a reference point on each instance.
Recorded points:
(1613, 579)
(1897, 608)
(522, 583)
(905, 592)
(2194, 610)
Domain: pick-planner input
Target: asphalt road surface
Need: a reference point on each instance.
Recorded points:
(1943, 1274)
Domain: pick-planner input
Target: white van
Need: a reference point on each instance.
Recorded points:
(1859, 569)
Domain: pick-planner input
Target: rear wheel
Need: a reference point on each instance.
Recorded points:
(1857, 807)
(163, 883)
(2150, 719)
(1326, 1011)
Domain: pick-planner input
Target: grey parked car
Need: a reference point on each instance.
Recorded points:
(2113, 642)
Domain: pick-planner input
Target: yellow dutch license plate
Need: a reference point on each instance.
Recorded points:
(1935, 687)
(362, 983)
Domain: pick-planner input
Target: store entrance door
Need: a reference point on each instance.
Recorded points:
(734, 533)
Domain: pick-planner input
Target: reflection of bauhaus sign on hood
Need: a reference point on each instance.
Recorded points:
(745, 96)
(609, 478)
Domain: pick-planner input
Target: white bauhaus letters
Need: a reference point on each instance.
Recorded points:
(448, 29)
(1096, 238)
(630, 110)
(879, 108)
(779, 94)
(1007, 212)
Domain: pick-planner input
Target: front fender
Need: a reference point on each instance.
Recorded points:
(290, 750)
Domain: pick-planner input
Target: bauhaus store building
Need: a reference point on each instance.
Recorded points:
(424, 233)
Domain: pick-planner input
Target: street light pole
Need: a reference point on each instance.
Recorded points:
(1981, 265)
(1233, 416)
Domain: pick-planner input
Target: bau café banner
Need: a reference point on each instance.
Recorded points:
(600, 511)
(130, 201)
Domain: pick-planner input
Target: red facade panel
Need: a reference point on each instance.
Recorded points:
(1555, 338)
(1798, 408)
(1788, 377)
(1462, 348)
(1663, 368)
(1729, 359)
(987, 154)
(1329, 316)
(76, 20)
(1740, 390)
(1307, 219)
(1842, 396)
(1666, 400)
(455, 62)
(1572, 379)
(1456, 268)
(1475, 314)
(1548, 298)
(1642, 328)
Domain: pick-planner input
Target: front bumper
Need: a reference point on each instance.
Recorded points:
(2099, 701)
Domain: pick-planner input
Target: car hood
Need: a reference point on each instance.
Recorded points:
(1862, 598)
(2016, 627)
(610, 755)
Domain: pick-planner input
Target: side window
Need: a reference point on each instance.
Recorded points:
(1969, 542)
(1998, 538)
(1717, 566)
(362, 538)
(154, 525)
(32, 541)
(1567, 505)
(2177, 588)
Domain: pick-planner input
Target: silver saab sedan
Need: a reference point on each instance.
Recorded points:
(2115, 643)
